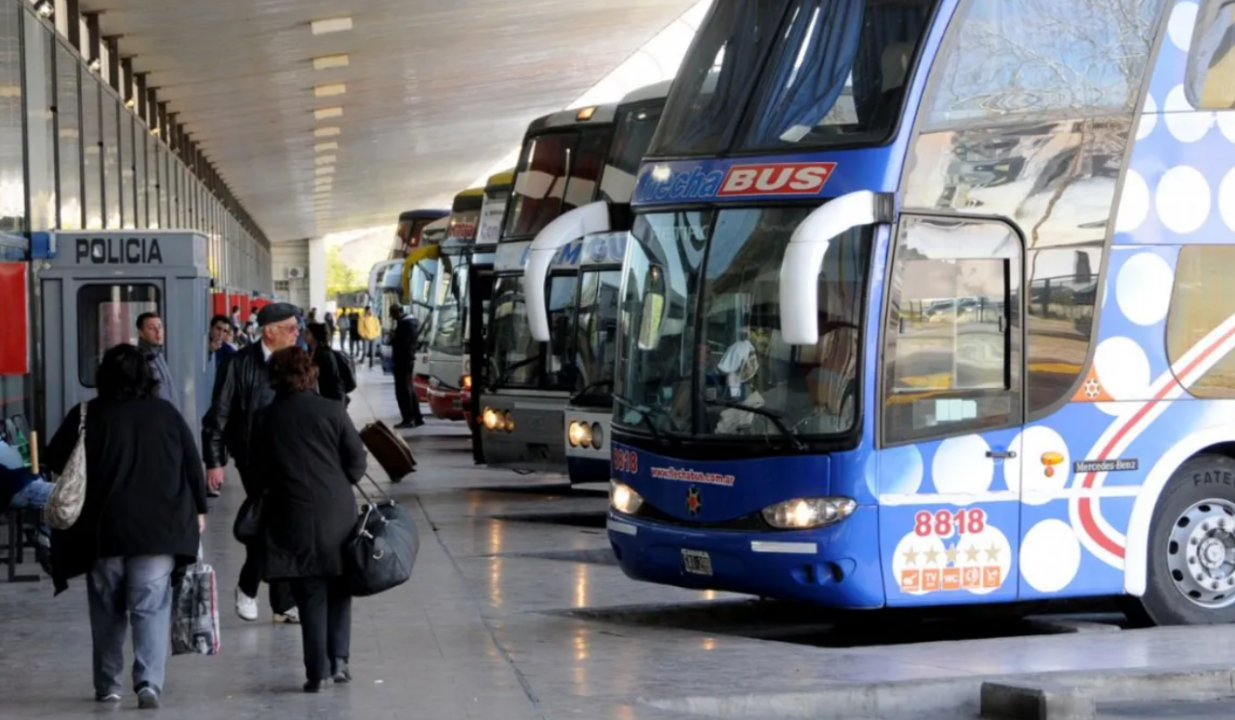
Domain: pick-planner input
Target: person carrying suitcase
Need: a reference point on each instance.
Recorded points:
(241, 389)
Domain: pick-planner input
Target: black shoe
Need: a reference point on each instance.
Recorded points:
(342, 675)
(406, 425)
(314, 686)
(418, 422)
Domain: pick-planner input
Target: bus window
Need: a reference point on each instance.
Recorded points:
(951, 355)
(1211, 63)
(541, 184)
(1203, 300)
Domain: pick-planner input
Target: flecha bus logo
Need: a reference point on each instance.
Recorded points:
(776, 179)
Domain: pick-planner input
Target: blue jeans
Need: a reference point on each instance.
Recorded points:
(137, 591)
(33, 495)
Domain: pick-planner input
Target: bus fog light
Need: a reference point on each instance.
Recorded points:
(598, 436)
(808, 512)
(623, 498)
(491, 419)
(577, 434)
(510, 423)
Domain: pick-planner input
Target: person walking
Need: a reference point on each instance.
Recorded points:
(345, 327)
(354, 336)
(243, 389)
(403, 360)
(150, 342)
(144, 511)
(311, 458)
(370, 332)
(330, 376)
(329, 320)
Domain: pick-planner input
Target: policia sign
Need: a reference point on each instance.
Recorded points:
(119, 251)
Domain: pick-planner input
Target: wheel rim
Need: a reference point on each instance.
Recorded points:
(1200, 553)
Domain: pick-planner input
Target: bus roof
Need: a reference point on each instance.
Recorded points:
(429, 214)
(470, 199)
(655, 91)
(577, 118)
(504, 180)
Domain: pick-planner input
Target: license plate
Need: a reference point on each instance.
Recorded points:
(697, 562)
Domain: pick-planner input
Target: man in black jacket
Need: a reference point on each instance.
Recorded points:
(240, 389)
(403, 358)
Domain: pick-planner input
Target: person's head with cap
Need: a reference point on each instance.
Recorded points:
(280, 325)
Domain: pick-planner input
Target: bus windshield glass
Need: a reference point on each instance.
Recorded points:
(514, 354)
(701, 330)
(561, 373)
(452, 306)
(792, 74)
(595, 330)
(557, 172)
(635, 128)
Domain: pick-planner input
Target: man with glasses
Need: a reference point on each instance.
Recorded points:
(243, 387)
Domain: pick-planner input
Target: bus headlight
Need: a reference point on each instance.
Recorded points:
(806, 513)
(465, 382)
(579, 434)
(510, 422)
(598, 436)
(491, 419)
(623, 498)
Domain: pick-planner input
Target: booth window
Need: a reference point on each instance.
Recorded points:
(1210, 83)
(107, 316)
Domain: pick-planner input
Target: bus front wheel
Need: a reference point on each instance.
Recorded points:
(1191, 579)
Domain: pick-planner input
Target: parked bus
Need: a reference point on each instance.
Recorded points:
(586, 271)
(420, 278)
(480, 289)
(525, 390)
(925, 304)
(410, 230)
(446, 342)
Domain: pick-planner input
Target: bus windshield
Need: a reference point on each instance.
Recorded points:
(700, 331)
(557, 172)
(452, 306)
(635, 128)
(561, 373)
(821, 73)
(514, 354)
(595, 329)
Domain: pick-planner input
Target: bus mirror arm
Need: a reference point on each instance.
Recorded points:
(799, 272)
(591, 218)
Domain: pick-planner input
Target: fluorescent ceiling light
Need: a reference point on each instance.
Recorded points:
(328, 170)
(330, 61)
(329, 90)
(326, 132)
(326, 113)
(322, 27)
(325, 147)
(324, 160)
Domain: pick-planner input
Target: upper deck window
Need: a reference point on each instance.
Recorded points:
(557, 172)
(1211, 63)
(793, 74)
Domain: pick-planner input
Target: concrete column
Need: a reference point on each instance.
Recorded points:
(317, 273)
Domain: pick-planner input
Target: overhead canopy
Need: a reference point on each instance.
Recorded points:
(431, 93)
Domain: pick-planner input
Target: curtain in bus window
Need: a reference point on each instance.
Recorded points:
(811, 79)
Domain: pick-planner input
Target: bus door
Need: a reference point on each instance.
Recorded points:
(480, 294)
(949, 476)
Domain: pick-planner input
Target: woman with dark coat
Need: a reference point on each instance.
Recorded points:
(312, 455)
(144, 510)
(329, 379)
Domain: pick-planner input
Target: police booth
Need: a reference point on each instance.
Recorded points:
(96, 283)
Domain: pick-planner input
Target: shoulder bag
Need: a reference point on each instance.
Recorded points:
(69, 495)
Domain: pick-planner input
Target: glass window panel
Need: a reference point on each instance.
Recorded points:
(111, 158)
(92, 139)
(1211, 63)
(160, 163)
(12, 144)
(140, 145)
(1203, 301)
(128, 181)
(41, 126)
(107, 316)
(68, 116)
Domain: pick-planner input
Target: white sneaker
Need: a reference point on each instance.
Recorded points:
(291, 617)
(246, 607)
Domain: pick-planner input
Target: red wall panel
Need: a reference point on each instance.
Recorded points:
(14, 340)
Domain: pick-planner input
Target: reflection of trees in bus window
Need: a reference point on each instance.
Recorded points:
(951, 356)
(540, 184)
(1211, 64)
(1062, 298)
(1203, 300)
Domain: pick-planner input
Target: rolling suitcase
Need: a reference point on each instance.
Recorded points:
(391, 451)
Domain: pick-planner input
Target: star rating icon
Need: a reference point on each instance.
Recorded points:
(992, 553)
(911, 556)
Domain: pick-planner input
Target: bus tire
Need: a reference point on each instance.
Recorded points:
(1191, 573)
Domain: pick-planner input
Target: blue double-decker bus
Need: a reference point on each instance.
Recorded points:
(927, 303)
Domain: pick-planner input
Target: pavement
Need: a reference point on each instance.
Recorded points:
(516, 610)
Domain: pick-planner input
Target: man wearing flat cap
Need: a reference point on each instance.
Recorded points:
(240, 390)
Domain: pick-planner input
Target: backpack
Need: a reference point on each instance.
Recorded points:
(347, 370)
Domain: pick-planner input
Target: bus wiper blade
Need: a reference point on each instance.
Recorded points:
(645, 415)
(589, 388)
(501, 379)
(777, 419)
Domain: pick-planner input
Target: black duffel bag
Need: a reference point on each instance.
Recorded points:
(382, 548)
(248, 525)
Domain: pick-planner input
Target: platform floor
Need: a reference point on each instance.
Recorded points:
(517, 611)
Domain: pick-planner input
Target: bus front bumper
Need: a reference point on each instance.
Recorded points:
(446, 404)
(837, 566)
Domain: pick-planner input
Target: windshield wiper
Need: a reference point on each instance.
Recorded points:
(589, 388)
(645, 415)
(511, 368)
(777, 419)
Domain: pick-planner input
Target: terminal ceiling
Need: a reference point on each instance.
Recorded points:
(434, 91)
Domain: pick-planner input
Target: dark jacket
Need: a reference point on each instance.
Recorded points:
(241, 387)
(329, 379)
(144, 486)
(403, 346)
(311, 456)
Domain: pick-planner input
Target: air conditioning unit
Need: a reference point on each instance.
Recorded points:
(295, 273)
